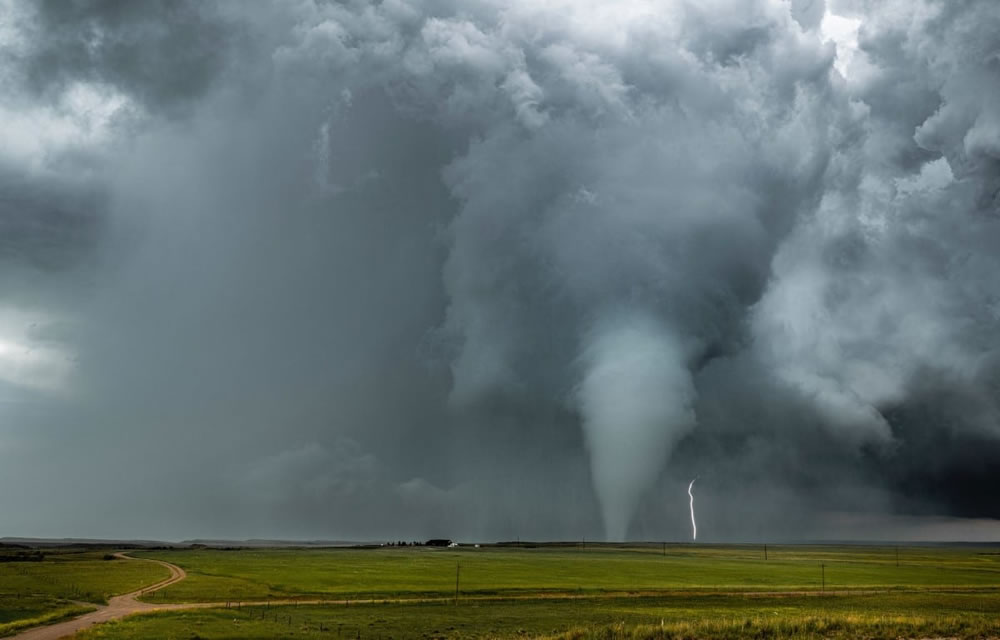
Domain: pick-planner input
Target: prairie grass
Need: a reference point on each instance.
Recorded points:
(15, 616)
(892, 615)
(562, 593)
(77, 575)
(215, 575)
(812, 627)
(62, 585)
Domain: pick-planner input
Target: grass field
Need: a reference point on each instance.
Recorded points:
(567, 593)
(422, 572)
(680, 591)
(61, 585)
(706, 616)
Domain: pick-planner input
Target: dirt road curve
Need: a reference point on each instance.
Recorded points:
(118, 607)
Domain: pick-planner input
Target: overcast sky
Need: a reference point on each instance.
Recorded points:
(497, 269)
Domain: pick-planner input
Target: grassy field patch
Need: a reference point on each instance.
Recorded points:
(77, 575)
(23, 613)
(215, 575)
(564, 592)
(706, 616)
(61, 585)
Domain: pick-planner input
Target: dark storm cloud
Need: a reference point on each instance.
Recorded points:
(163, 53)
(44, 223)
(897, 270)
(492, 269)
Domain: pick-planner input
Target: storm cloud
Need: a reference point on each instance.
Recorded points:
(487, 270)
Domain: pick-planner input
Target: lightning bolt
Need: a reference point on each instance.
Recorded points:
(694, 525)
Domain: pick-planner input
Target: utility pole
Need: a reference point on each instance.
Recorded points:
(822, 568)
(458, 569)
(765, 551)
(664, 549)
(897, 555)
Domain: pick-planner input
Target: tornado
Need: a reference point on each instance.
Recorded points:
(636, 401)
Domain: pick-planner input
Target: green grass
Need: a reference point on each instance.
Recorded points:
(706, 616)
(221, 576)
(77, 575)
(827, 628)
(33, 593)
(32, 611)
(566, 593)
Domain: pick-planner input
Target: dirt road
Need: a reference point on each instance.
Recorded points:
(117, 607)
